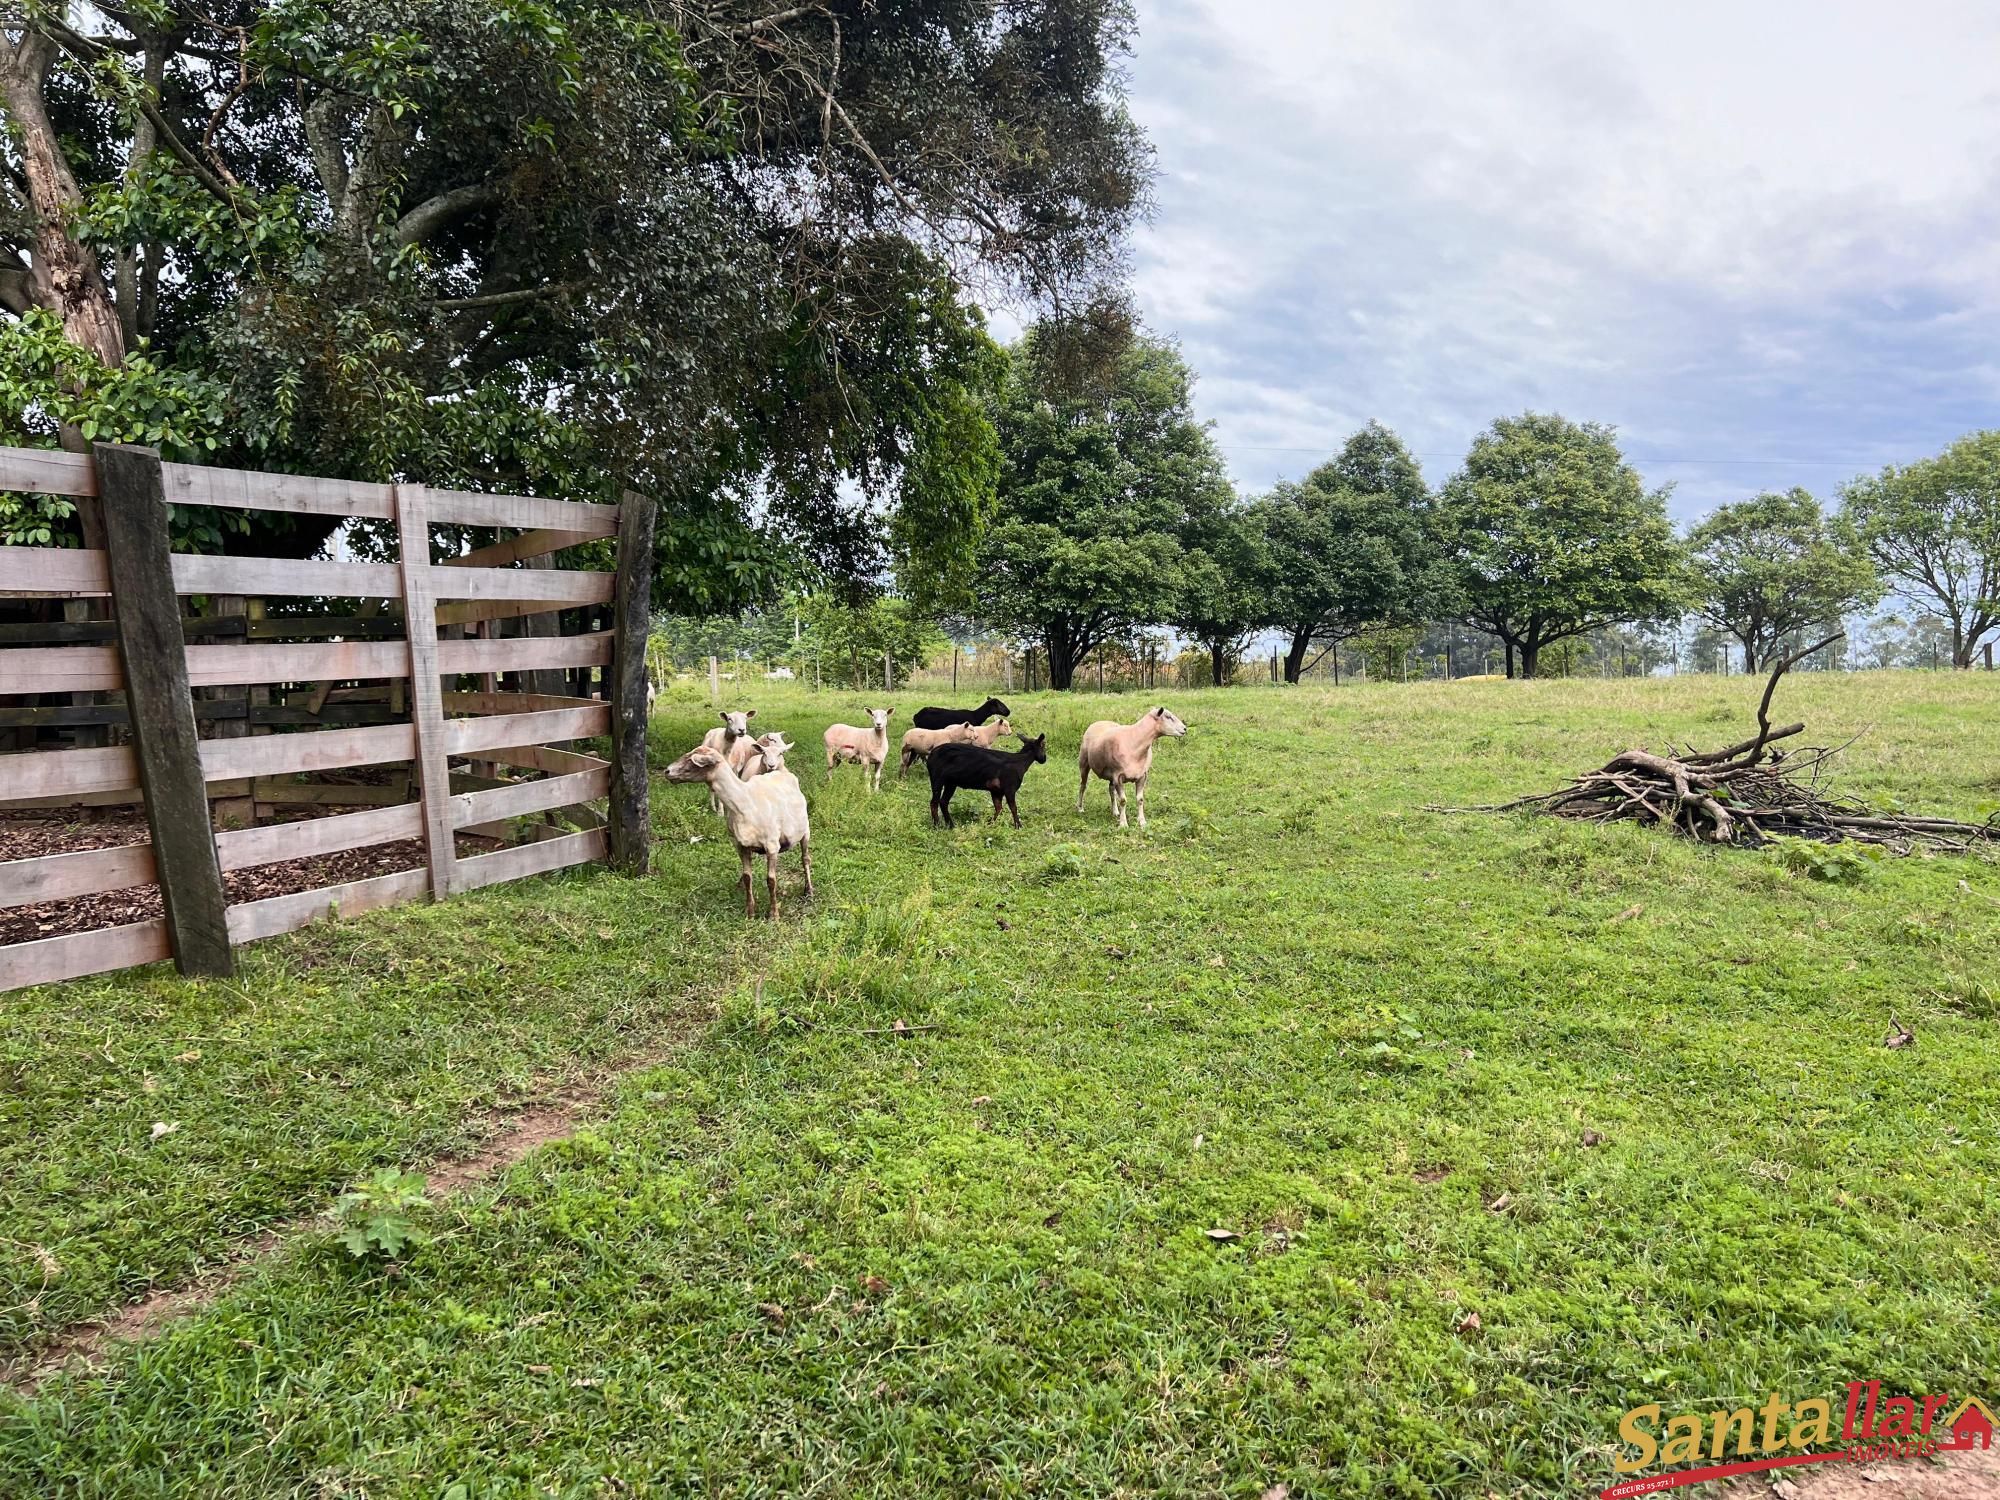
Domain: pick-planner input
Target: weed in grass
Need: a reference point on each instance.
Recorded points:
(378, 1215)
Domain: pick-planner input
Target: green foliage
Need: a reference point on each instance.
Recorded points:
(1351, 547)
(1933, 528)
(1771, 565)
(1836, 864)
(1102, 477)
(377, 1216)
(1552, 535)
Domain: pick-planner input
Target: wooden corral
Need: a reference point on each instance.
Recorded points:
(432, 702)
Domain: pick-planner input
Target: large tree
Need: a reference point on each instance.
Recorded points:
(1352, 546)
(1103, 467)
(718, 251)
(1226, 580)
(1933, 528)
(1553, 535)
(1771, 565)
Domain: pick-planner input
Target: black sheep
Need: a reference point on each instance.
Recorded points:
(944, 718)
(978, 769)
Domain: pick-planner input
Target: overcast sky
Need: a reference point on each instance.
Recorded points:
(1737, 232)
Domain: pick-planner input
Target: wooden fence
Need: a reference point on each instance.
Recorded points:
(136, 676)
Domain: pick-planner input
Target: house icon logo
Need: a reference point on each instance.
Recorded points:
(1971, 1426)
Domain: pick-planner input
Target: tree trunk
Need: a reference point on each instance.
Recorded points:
(1062, 664)
(1295, 657)
(1531, 658)
(1510, 659)
(1749, 658)
(1216, 663)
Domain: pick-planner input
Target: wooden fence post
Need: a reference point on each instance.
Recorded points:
(133, 495)
(413, 533)
(631, 811)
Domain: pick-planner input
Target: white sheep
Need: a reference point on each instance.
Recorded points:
(765, 816)
(1123, 755)
(750, 758)
(918, 743)
(735, 726)
(869, 747)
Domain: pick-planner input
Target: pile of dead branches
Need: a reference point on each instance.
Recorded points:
(1745, 794)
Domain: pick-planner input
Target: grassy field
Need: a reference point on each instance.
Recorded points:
(804, 1254)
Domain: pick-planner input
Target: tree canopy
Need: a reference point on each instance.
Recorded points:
(1104, 471)
(1351, 546)
(1933, 528)
(1552, 535)
(1771, 565)
(719, 252)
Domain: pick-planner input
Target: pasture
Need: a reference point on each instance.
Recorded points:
(1514, 1125)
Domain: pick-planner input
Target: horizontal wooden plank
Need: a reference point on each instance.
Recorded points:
(523, 797)
(53, 572)
(386, 626)
(93, 632)
(276, 914)
(299, 494)
(312, 661)
(59, 669)
(569, 585)
(67, 773)
(315, 750)
(47, 471)
(76, 954)
(472, 611)
(283, 791)
(519, 549)
(240, 848)
(466, 508)
(261, 577)
(543, 758)
(510, 703)
(525, 654)
(527, 859)
(123, 797)
(55, 877)
(497, 731)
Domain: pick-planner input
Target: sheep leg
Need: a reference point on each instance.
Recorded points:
(878, 777)
(1118, 799)
(806, 859)
(996, 807)
(904, 769)
(771, 883)
(749, 899)
(1142, 797)
(1013, 809)
(1082, 785)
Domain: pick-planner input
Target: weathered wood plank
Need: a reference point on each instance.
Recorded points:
(59, 669)
(282, 791)
(566, 586)
(465, 508)
(46, 471)
(510, 703)
(266, 576)
(53, 572)
(162, 707)
(261, 919)
(630, 810)
(314, 750)
(496, 731)
(92, 632)
(544, 758)
(413, 531)
(67, 773)
(66, 669)
(76, 954)
(517, 799)
(530, 859)
(240, 848)
(525, 653)
(55, 877)
(472, 611)
(518, 549)
(298, 494)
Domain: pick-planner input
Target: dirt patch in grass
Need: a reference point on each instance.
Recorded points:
(510, 1136)
(1973, 1475)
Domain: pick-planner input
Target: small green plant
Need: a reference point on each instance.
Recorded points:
(375, 1217)
(1064, 862)
(1836, 864)
(1300, 820)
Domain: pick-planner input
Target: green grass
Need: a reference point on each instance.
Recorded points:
(808, 1255)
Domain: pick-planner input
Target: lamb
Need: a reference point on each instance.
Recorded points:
(750, 758)
(870, 746)
(1123, 755)
(735, 725)
(944, 718)
(918, 743)
(979, 769)
(765, 816)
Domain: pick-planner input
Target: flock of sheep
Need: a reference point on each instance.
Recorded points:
(765, 811)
